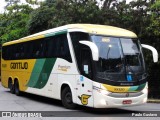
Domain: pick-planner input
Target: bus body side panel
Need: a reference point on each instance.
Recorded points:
(62, 72)
(4, 74)
(17, 69)
(84, 91)
(66, 72)
(41, 79)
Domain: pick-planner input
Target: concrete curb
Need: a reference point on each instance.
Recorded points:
(153, 101)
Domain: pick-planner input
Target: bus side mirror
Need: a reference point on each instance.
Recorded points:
(94, 49)
(154, 52)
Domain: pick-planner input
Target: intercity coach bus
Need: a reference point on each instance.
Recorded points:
(92, 65)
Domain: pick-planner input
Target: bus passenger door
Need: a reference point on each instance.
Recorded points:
(84, 82)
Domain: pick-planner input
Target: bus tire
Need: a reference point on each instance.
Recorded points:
(66, 98)
(16, 86)
(11, 86)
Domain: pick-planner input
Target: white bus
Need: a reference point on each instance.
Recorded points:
(92, 65)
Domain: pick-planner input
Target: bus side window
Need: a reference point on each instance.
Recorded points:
(22, 50)
(51, 49)
(11, 52)
(29, 49)
(5, 53)
(26, 51)
(17, 51)
(64, 51)
(57, 46)
(43, 49)
(36, 50)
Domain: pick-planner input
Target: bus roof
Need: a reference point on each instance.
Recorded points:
(89, 28)
(104, 30)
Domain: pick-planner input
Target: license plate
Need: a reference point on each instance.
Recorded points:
(127, 102)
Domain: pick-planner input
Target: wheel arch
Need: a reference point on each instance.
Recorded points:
(17, 79)
(65, 84)
(10, 79)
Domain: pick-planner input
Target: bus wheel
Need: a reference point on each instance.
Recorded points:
(11, 86)
(66, 98)
(16, 85)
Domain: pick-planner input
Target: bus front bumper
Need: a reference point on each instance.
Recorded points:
(105, 101)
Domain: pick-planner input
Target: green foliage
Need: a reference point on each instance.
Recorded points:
(60, 12)
(32, 1)
(12, 24)
(155, 19)
(37, 20)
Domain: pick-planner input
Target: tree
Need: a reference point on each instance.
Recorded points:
(155, 19)
(12, 24)
(32, 1)
(153, 38)
(60, 12)
(38, 22)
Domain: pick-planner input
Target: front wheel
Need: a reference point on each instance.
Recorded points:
(66, 98)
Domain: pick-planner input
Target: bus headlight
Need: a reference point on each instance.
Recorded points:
(144, 100)
(105, 92)
(102, 91)
(145, 90)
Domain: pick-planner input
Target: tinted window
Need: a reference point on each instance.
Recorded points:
(57, 46)
(110, 53)
(38, 49)
(54, 46)
(76, 37)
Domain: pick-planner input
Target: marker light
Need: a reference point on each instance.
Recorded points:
(103, 102)
(110, 46)
(144, 100)
(145, 90)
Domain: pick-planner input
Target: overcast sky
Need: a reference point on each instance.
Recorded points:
(2, 4)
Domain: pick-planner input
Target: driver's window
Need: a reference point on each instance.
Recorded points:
(86, 62)
(75, 38)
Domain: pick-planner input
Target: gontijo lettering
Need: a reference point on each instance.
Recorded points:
(19, 65)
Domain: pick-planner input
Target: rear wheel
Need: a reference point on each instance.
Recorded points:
(16, 85)
(11, 86)
(66, 98)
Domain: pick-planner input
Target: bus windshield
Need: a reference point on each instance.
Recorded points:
(118, 57)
